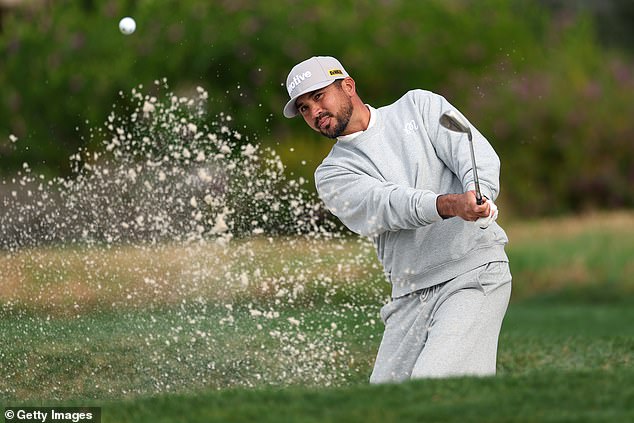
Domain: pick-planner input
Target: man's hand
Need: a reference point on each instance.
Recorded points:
(484, 222)
(463, 206)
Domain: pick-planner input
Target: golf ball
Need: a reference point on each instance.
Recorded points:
(127, 25)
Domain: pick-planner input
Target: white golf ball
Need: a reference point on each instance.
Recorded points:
(127, 25)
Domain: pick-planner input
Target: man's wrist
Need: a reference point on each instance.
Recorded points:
(446, 205)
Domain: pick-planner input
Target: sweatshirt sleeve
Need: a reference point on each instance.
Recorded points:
(453, 147)
(370, 206)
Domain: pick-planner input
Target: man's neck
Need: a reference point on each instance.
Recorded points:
(371, 119)
(360, 118)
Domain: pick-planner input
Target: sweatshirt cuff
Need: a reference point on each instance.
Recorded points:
(428, 209)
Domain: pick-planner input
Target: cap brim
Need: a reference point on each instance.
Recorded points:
(290, 110)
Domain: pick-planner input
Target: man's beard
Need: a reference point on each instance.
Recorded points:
(342, 119)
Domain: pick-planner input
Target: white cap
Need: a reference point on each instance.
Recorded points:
(310, 75)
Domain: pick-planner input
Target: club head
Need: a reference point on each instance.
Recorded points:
(454, 122)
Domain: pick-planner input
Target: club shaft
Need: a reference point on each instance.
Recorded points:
(476, 181)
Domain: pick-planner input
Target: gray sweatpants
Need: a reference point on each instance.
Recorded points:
(450, 329)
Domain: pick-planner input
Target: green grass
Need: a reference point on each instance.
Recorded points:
(114, 355)
(585, 259)
(546, 396)
(566, 348)
(557, 337)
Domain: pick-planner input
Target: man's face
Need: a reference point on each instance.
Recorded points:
(327, 110)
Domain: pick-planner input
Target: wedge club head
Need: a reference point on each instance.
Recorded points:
(455, 122)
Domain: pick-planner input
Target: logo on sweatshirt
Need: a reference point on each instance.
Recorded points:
(411, 126)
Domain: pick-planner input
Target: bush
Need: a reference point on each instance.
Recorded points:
(552, 101)
(561, 126)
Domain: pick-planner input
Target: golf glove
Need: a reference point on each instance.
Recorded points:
(484, 222)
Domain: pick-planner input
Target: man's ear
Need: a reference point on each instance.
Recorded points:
(348, 86)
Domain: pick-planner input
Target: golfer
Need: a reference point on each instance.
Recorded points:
(397, 176)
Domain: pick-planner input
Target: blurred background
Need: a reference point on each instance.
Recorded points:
(549, 82)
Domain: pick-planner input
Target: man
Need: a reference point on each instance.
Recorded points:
(396, 175)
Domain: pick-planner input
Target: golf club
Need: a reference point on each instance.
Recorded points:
(454, 122)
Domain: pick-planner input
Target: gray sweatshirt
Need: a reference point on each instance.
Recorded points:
(384, 183)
